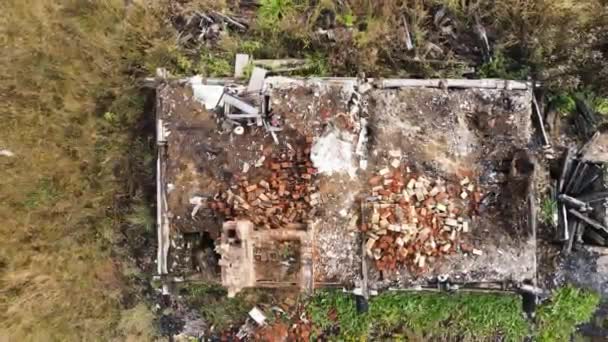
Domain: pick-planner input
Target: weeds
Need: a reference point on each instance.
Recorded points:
(462, 317)
(563, 103)
(214, 66)
(568, 308)
(219, 310)
(347, 19)
(503, 67)
(548, 211)
(316, 64)
(422, 316)
(272, 12)
(142, 217)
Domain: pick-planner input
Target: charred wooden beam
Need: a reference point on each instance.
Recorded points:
(594, 197)
(595, 237)
(572, 178)
(572, 229)
(591, 222)
(580, 178)
(573, 202)
(567, 165)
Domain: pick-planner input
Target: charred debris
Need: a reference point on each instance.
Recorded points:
(582, 195)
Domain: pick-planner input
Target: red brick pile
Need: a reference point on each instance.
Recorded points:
(284, 199)
(415, 220)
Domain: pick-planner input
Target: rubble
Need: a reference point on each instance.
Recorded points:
(581, 196)
(414, 153)
(331, 153)
(415, 220)
(284, 199)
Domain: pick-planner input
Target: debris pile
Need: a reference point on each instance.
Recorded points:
(285, 199)
(413, 220)
(582, 201)
(198, 28)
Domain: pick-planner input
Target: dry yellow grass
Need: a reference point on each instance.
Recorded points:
(60, 59)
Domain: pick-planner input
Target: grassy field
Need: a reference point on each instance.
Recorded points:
(70, 103)
(73, 199)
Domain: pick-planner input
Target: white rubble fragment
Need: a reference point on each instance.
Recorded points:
(343, 212)
(260, 161)
(421, 261)
(464, 195)
(330, 154)
(6, 153)
(256, 82)
(410, 184)
(394, 153)
(257, 315)
(197, 201)
(451, 222)
(239, 130)
(363, 164)
(208, 95)
(477, 251)
(241, 62)
(465, 181)
(360, 149)
(246, 167)
(395, 163)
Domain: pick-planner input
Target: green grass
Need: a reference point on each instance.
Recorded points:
(503, 67)
(564, 103)
(271, 13)
(567, 308)
(461, 316)
(548, 210)
(428, 316)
